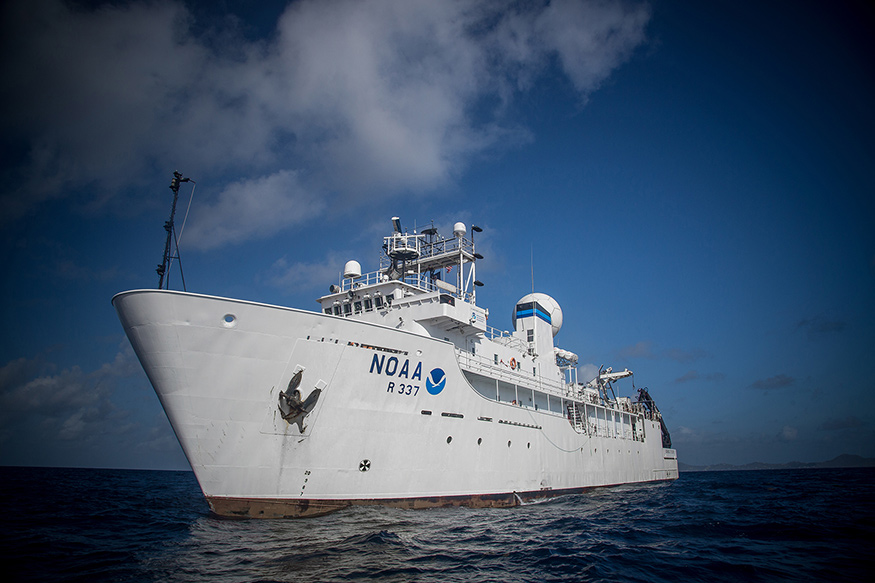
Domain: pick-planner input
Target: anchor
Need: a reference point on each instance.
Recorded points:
(291, 407)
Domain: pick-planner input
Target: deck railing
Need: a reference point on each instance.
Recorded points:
(593, 419)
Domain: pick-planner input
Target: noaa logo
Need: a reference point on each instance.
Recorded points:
(435, 381)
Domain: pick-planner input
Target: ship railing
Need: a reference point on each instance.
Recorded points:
(567, 390)
(600, 421)
(506, 338)
(366, 279)
(483, 365)
(593, 419)
(428, 255)
(441, 247)
(420, 281)
(424, 251)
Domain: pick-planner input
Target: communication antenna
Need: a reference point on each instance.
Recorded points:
(172, 240)
(534, 302)
(473, 273)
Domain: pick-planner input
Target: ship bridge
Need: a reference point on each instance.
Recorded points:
(424, 278)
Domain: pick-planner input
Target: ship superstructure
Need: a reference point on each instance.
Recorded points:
(396, 392)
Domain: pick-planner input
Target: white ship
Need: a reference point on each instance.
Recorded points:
(396, 392)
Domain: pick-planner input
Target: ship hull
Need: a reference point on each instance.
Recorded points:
(393, 419)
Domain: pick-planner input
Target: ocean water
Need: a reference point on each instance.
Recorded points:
(123, 525)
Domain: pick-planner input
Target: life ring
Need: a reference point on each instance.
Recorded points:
(513, 363)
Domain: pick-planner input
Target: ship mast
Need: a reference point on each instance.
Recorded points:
(172, 240)
(411, 257)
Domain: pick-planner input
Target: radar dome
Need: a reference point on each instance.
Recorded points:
(352, 269)
(550, 308)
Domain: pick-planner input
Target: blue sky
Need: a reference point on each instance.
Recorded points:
(693, 180)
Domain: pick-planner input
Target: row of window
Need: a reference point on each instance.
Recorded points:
(366, 304)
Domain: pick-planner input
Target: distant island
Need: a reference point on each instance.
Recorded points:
(842, 461)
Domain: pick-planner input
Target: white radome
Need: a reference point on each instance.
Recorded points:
(546, 302)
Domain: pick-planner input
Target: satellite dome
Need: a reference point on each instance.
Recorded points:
(549, 305)
(352, 269)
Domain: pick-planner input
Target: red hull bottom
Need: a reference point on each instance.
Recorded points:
(301, 508)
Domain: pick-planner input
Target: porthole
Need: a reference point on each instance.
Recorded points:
(508, 444)
(229, 320)
(449, 439)
(479, 440)
(529, 445)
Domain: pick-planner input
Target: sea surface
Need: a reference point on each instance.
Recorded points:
(127, 525)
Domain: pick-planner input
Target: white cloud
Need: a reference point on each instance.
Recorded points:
(257, 207)
(837, 424)
(687, 435)
(74, 417)
(587, 372)
(643, 349)
(303, 276)
(694, 375)
(775, 382)
(65, 401)
(612, 33)
(646, 349)
(91, 93)
(348, 97)
(788, 433)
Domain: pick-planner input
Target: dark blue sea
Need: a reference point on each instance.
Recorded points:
(125, 525)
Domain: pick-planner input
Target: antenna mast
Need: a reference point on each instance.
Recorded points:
(171, 236)
(534, 303)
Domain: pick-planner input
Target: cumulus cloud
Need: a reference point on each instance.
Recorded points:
(65, 402)
(820, 326)
(52, 417)
(775, 382)
(271, 202)
(87, 95)
(346, 97)
(299, 276)
(694, 375)
(849, 422)
(646, 349)
(680, 355)
(587, 372)
(788, 433)
(638, 350)
(684, 434)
